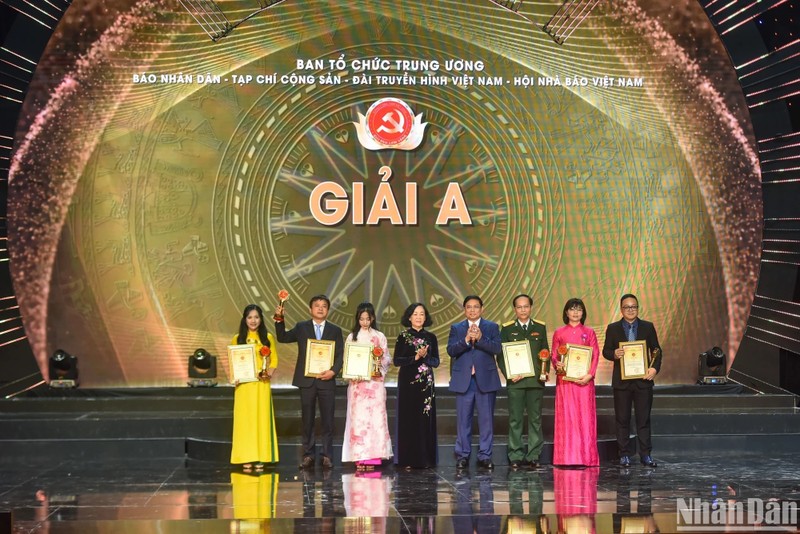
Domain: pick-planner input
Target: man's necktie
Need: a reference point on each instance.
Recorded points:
(318, 328)
(631, 333)
(525, 328)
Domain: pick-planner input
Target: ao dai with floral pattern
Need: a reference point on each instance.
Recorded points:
(366, 433)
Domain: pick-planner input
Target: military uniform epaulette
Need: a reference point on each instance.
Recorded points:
(509, 323)
(540, 322)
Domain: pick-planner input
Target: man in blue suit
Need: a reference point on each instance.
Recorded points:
(472, 346)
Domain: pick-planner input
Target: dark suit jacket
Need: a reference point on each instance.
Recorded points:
(481, 355)
(615, 333)
(301, 333)
(537, 339)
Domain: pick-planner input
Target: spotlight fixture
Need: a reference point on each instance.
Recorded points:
(567, 19)
(202, 369)
(63, 370)
(712, 367)
(212, 19)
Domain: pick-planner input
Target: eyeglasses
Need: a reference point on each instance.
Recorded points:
(575, 308)
(630, 307)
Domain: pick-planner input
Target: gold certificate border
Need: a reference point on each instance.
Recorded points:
(233, 350)
(348, 363)
(514, 344)
(576, 348)
(328, 346)
(625, 344)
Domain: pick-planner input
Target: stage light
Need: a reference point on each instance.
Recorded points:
(63, 370)
(712, 367)
(202, 369)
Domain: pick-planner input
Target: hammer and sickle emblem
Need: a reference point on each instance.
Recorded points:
(398, 126)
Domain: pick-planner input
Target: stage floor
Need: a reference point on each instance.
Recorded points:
(171, 496)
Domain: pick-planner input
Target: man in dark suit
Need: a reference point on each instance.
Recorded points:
(314, 390)
(638, 391)
(472, 345)
(525, 393)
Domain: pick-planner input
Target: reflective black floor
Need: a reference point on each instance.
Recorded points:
(167, 495)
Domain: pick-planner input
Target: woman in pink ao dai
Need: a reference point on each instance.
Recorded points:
(366, 432)
(575, 439)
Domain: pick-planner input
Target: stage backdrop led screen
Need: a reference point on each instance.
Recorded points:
(378, 151)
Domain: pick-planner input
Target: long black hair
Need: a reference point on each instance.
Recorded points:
(262, 328)
(373, 322)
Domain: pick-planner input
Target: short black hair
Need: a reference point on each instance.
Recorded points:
(315, 298)
(405, 320)
(574, 302)
(628, 296)
(472, 297)
(514, 300)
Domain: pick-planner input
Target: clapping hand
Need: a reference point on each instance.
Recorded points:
(473, 334)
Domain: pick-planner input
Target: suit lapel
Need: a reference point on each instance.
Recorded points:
(312, 334)
(621, 330)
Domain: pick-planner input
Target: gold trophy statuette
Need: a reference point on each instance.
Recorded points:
(654, 355)
(283, 296)
(562, 352)
(377, 356)
(265, 359)
(544, 355)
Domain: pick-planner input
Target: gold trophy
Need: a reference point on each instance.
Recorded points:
(265, 359)
(283, 296)
(654, 355)
(562, 352)
(377, 357)
(544, 355)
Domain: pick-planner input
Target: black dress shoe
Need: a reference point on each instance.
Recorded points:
(533, 465)
(624, 461)
(516, 464)
(326, 462)
(462, 463)
(485, 464)
(307, 463)
(648, 461)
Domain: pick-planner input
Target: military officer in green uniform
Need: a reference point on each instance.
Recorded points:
(525, 394)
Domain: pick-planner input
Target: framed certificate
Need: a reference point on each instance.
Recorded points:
(633, 363)
(518, 359)
(577, 362)
(319, 356)
(357, 361)
(242, 360)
